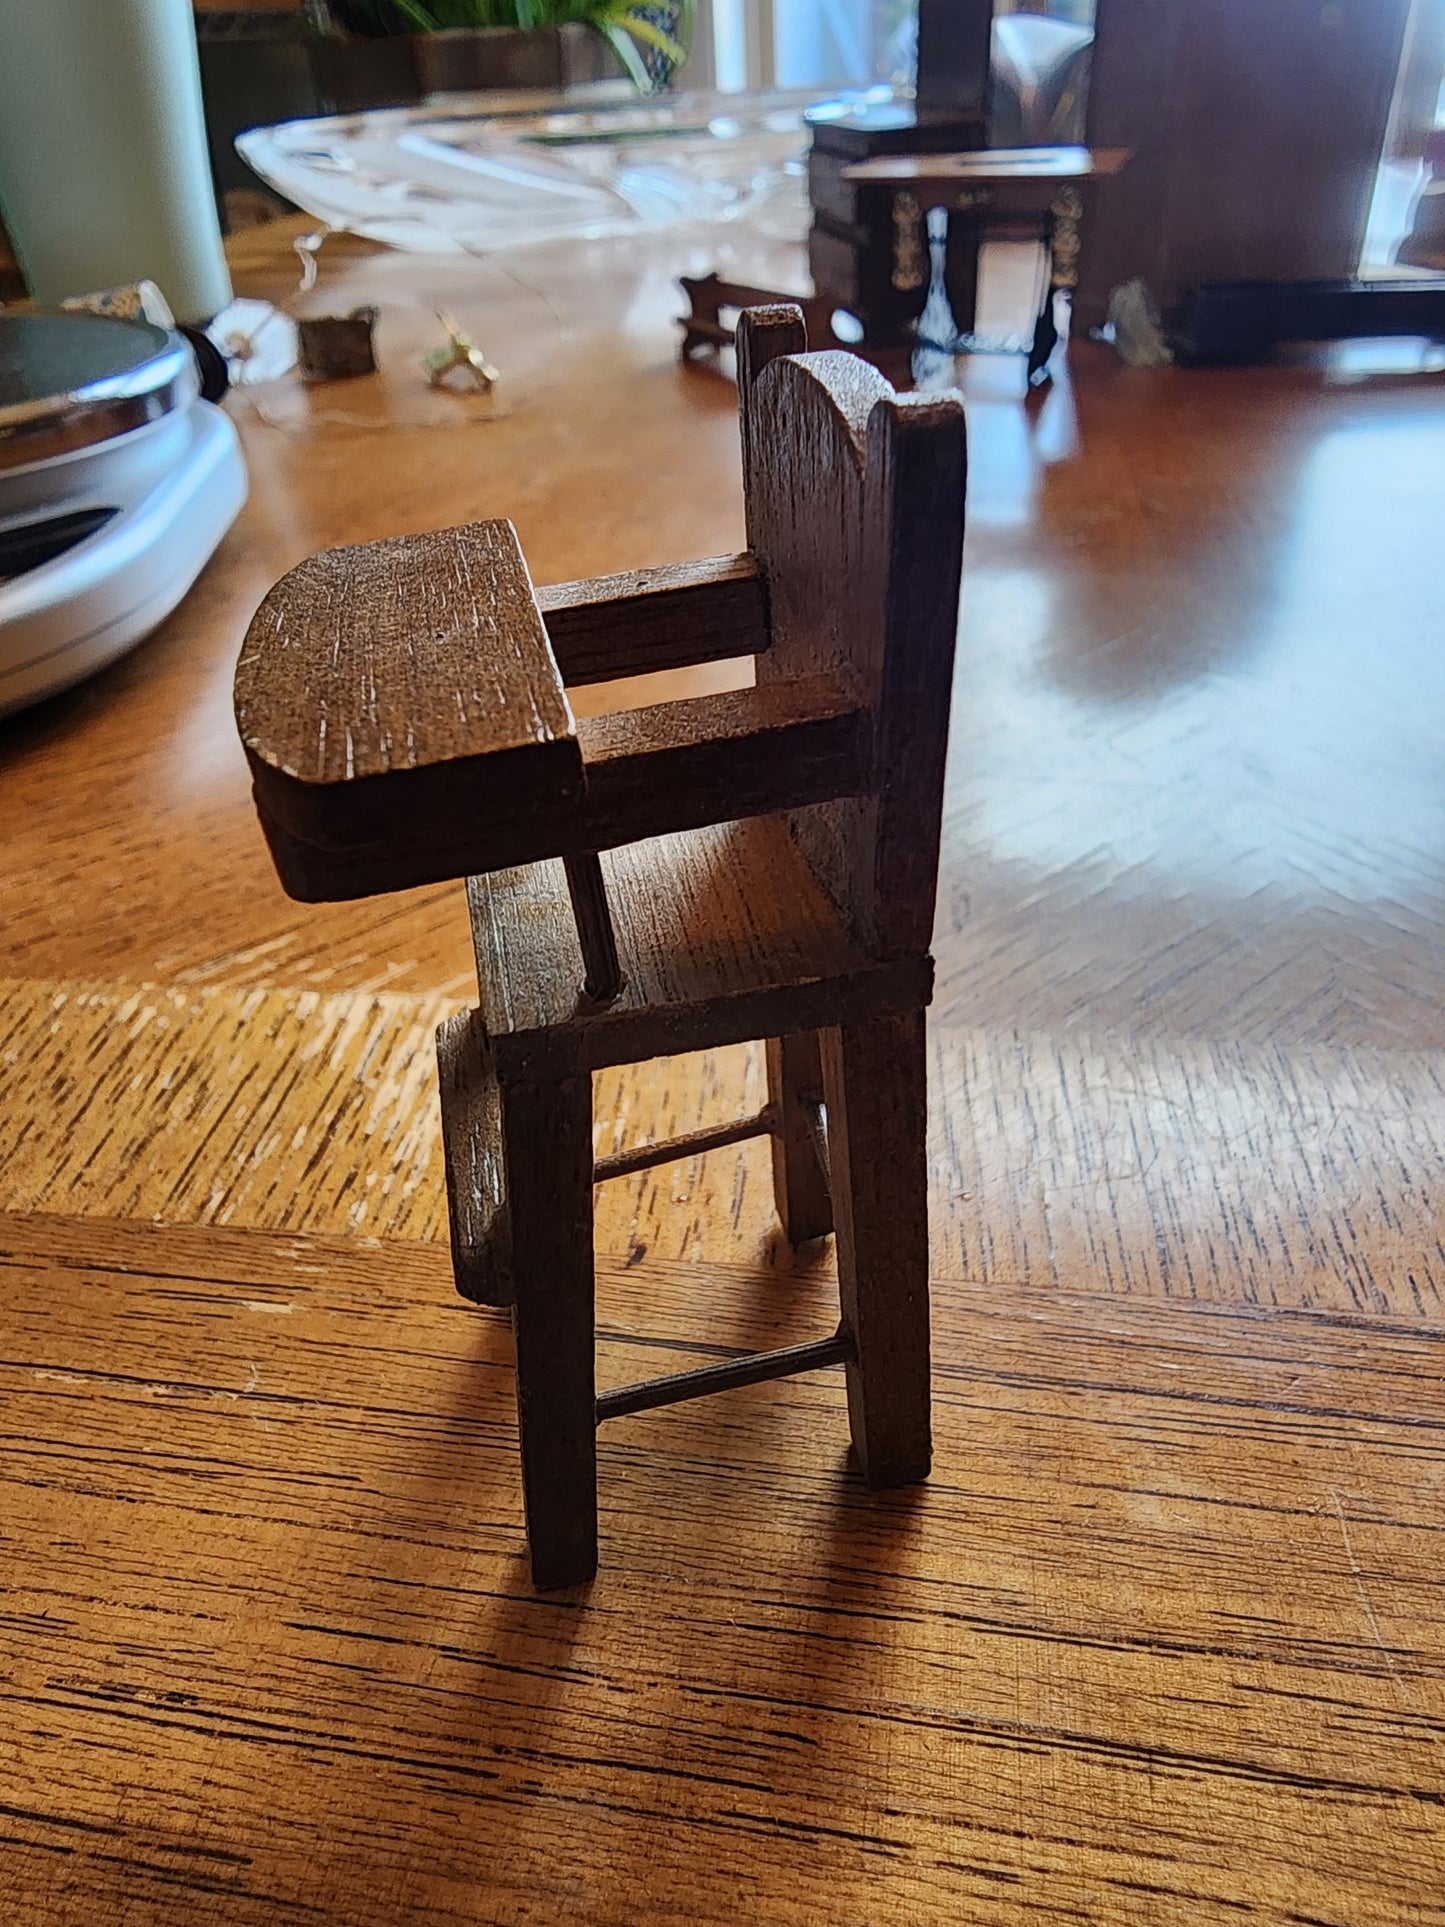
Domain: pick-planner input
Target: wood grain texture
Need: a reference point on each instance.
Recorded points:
(592, 916)
(806, 499)
(1363, 966)
(1161, 818)
(405, 681)
(673, 765)
(479, 1219)
(394, 655)
(800, 1181)
(1161, 1641)
(722, 935)
(214, 1106)
(1299, 1177)
(547, 1144)
(731, 1375)
(646, 620)
(876, 1087)
(702, 759)
(707, 762)
(687, 1144)
(1186, 1054)
(855, 510)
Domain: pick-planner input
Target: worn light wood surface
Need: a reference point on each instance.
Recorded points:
(1306, 1177)
(1160, 1641)
(405, 683)
(371, 638)
(1163, 1642)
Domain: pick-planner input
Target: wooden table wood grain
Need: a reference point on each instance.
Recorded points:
(1161, 1640)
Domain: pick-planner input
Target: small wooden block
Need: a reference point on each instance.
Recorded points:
(334, 347)
(403, 684)
(647, 619)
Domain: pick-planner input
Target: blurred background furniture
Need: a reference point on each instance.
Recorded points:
(928, 218)
(1424, 244)
(1013, 82)
(1257, 132)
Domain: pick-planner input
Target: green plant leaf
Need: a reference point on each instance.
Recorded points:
(641, 28)
(625, 47)
(420, 17)
(626, 28)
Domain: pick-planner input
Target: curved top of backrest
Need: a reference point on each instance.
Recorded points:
(855, 501)
(849, 387)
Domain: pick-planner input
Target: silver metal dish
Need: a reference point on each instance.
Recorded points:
(72, 381)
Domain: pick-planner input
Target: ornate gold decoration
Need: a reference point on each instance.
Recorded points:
(461, 352)
(910, 253)
(1068, 210)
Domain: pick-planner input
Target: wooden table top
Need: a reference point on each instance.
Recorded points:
(991, 164)
(1162, 1638)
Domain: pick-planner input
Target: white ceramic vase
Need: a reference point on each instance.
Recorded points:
(104, 176)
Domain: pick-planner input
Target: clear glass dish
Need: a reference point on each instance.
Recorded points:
(469, 173)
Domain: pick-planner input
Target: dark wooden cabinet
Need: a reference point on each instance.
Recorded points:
(1256, 127)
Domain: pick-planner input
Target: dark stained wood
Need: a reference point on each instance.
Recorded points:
(917, 470)
(601, 974)
(856, 526)
(403, 680)
(704, 759)
(722, 934)
(328, 674)
(881, 260)
(955, 51)
(708, 296)
(1187, 1059)
(855, 507)
(938, 173)
(1241, 173)
(547, 1138)
(1132, 98)
(806, 510)
(649, 619)
(671, 766)
(769, 334)
(876, 1087)
(621, 1164)
(800, 1176)
(335, 347)
(478, 1213)
(754, 1368)
(867, 249)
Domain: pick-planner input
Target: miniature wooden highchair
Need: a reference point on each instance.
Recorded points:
(769, 857)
